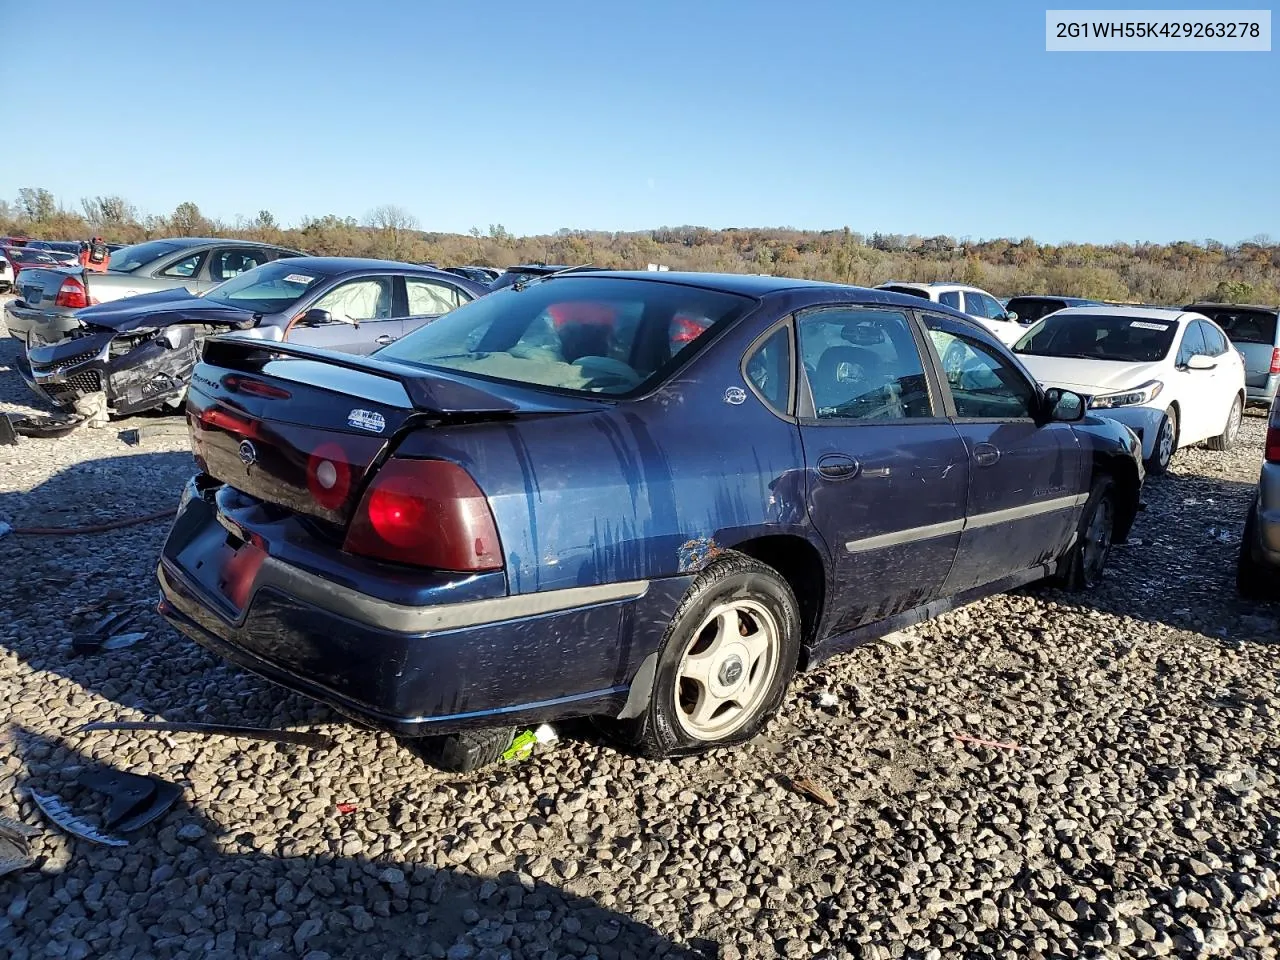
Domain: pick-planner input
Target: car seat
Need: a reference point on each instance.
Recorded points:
(845, 374)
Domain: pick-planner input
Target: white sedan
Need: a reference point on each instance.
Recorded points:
(1169, 375)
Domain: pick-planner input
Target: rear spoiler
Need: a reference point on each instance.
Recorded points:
(430, 391)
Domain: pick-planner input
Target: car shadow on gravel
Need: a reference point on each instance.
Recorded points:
(1179, 567)
(190, 885)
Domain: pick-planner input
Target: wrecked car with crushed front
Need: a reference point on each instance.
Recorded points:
(137, 354)
(645, 497)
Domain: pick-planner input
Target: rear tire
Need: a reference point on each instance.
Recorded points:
(724, 664)
(1081, 567)
(462, 752)
(1227, 439)
(1254, 579)
(1166, 444)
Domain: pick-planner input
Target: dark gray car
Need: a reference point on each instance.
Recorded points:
(48, 298)
(138, 353)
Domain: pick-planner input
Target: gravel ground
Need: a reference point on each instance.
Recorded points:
(1137, 816)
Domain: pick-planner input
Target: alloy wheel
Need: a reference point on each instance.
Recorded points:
(727, 669)
(1097, 542)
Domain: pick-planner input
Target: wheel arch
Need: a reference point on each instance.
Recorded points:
(801, 564)
(1128, 489)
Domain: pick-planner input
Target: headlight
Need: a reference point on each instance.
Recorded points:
(1127, 398)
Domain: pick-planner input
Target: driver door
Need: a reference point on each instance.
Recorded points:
(361, 317)
(1027, 482)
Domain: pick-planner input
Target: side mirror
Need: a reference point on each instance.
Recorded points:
(1198, 361)
(1012, 315)
(316, 317)
(1063, 406)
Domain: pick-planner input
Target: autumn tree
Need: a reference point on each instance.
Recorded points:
(37, 204)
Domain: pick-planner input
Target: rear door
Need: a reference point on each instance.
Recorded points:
(362, 317)
(1027, 485)
(1225, 378)
(887, 473)
(427, 298)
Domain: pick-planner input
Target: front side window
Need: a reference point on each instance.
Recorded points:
(366, 299)
(431, 297)
(185, 269)
(769, 370)
(981, 305)
(950, 298)
(1089, 336)
(983, 385)
(1215, 343)
(862, 364)
(582, 333)
(1192, 344)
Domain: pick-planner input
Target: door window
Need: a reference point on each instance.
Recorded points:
(1215, 344)
(234, 261)
(983, 385)
(863, 364)
(1192, 343)
(431, 297)
(769, 370)
(367, 299)
(950, 298)
(184, 269)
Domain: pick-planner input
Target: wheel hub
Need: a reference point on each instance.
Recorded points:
(730, 672)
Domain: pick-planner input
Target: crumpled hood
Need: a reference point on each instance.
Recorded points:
(162, 309)
(1089, 377)
(50, 354)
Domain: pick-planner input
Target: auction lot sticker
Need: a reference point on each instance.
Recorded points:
(1153, 31)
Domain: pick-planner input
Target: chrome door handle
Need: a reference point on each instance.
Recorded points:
(985, 454)
(385, 339)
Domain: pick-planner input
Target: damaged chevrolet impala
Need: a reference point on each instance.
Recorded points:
(645, 498)
(137, 354)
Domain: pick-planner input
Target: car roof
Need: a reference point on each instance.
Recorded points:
(1136, 313)
(335, 265)
(1252, 307)
(942, 286)
(1083, 301)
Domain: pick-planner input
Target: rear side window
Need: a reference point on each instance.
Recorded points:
(769, 370)
(950, 299)
(1245, 326)
(184, 269)
(234, 261)
(862, 364)
(586, 334)
(430, 297)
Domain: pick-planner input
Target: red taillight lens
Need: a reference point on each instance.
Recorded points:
(1275, 360)
(329, 476)
(72, 294)
(1272, 445)
(426, 513)
(257, 388)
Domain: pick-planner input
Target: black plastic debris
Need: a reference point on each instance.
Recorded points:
(136, 435)
(8, 436)
(133, 800)
(295, 737)
(107, 634)
(15, 846)
(60, 814)
(46, 427)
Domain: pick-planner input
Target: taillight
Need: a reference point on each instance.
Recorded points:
(426, 513)
(1272, 444)
(1275, 360)
(72, 295)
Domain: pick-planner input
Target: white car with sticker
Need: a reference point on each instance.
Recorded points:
(1170, 376)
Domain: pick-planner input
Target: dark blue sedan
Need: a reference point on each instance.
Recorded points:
(644, 497)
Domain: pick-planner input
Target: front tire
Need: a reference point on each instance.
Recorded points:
(724, 664)
(1166, 443)
(1082, 566)
(1227, 439)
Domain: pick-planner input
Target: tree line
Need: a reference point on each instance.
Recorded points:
(1168, 273)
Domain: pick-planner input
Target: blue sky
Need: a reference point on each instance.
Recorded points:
(910, 117)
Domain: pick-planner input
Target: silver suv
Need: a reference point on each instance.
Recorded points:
(1258, 571)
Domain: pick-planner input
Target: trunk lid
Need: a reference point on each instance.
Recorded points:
(39, 286)
(304, 428)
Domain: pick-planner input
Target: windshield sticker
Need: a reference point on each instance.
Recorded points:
(298, 278)
(367, 420)
(1143, 325)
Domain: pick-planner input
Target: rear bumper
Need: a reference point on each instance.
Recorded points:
(408, 668)
(1263, 392)
(50, 327)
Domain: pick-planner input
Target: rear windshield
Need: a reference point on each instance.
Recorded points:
(1090, 336)
(1245, 326)
(1031, 309)
(270, 288)
(130, 258)
(606, 335)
